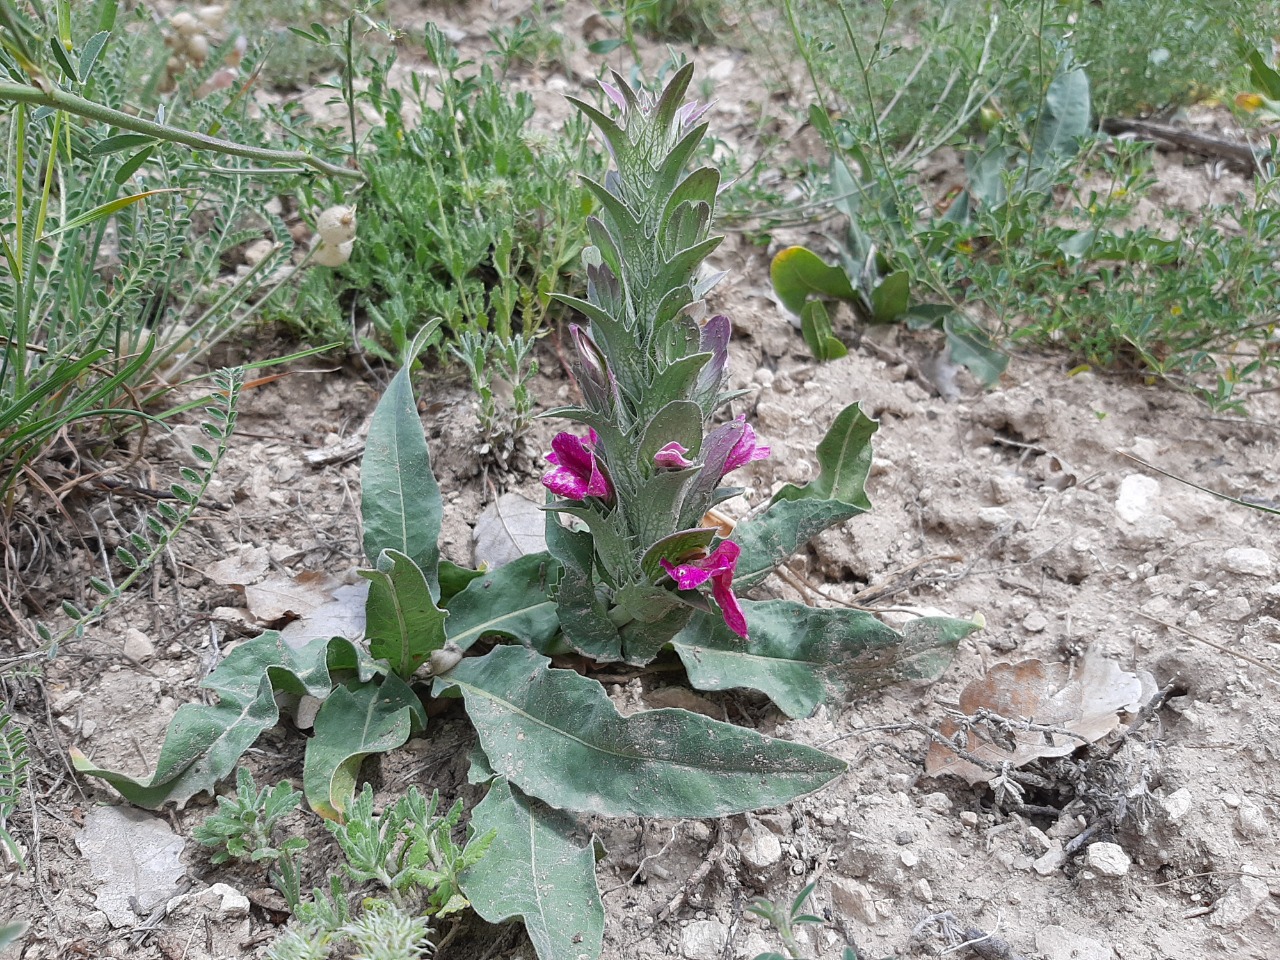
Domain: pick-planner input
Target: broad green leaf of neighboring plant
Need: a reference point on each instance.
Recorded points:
(512, 601)
(536, 870)
(1263, 75)
(797, 272)
(402, 622)
(557, 736)
(354, 721)
(972, 348)
(204, 741)
(798, 513)
(1065, 118)
(582, 615)
(801, 656)
(815, 326)
(399, 498)
(891, 297)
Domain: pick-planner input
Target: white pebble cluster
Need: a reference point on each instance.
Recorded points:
(188, 37)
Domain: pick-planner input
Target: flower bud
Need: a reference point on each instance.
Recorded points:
(337, 225)
(332, 255)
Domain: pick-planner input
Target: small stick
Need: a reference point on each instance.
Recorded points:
(1209, 643)
(695, 879)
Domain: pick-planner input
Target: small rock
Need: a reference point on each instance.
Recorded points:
(1239, 902)
(968, 818)
(1066, 827)
(854, 900)
(704, 940)
(1051, 860)
(1231, 800)
(258, 251)
(1035, 622)
(1249, 561)
(88, 728)
(909, 858)
(994, 516)
(1108, 859)
(138, 646)
(1137, 497)
(760, 849)
(922, 890)
(67, 702)
(232, 904)
(1176, 805)
(1251, 821)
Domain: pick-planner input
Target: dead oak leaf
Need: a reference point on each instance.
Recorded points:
(281, 598)
(1085, 700)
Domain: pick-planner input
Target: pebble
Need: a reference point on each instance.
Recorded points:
(1176, 805)
(994, 516)
(67, 702)
(853, 899)
(1251, 821)
(909, 858)
(137, 645)
(1234, 609)
(1035, 622)
(1249, 561)
(969, 818)
(1137, 497)
(1108, 859)
(1051, 860)
(1239, 903)
(922, 890)
(704, 940)
(760, 849)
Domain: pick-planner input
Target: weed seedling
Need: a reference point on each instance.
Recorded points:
(244, 824)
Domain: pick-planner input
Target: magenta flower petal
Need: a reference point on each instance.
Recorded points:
(687, 576)
(719, 568)
(578, 472)
(672, 457)
(747, 449)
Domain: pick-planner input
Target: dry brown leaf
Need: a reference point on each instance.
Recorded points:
(241, 569)
(1086, 700)
(288, 598)
(343, 616)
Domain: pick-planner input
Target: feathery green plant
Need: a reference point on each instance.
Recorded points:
(243, 824)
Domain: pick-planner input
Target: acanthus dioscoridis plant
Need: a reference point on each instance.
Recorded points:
(632, 571)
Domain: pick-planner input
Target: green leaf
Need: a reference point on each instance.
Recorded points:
(801, 656)
(402, 622)
(204, 742)
(130, 166)
(118, 142)
(797, 272)
(399, 498)
(971, 347)
(10, 932)
(454, 579)
(90, 53)
(679, 421)
(104, 210)
(512, 601)
(891, 297)
(64, 62)
(799, 513)
(556, 735)
(536, 870)
(815, 326)
(582, 614)
(1065, 117)
(675, 549)
(352, 723)
(1264, 77)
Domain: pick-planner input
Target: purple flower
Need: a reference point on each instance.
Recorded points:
(672, 457)
(746, 449)
(578, 472)
(718, 567)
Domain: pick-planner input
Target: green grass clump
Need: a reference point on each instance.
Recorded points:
(467, 214)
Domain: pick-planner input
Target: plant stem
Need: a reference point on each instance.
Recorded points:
(61, 100)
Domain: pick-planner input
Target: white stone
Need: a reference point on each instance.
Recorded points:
(853, 899)
(232, 904)
(922, 890)
(760, 849)
(909, 858)
(1234, 609)
(138, 646)
(1035, 622)
(1249, 561)
(704, 940)
(67, 701)
(994, 516)
(1051, 860)
(1108, 859)
(1251, 821)
(1176, 805)
(1239, 903)
(1136, 498)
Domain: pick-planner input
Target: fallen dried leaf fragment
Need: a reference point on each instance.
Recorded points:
(1085, 700)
